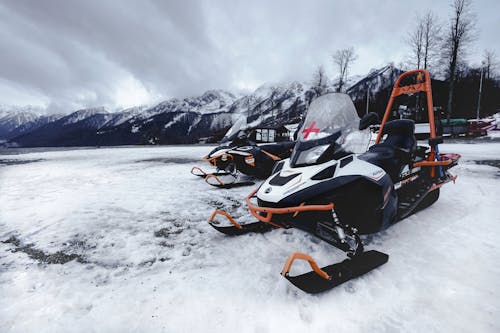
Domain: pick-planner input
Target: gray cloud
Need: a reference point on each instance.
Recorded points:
(72, 53)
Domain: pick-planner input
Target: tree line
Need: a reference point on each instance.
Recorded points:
(439, 46)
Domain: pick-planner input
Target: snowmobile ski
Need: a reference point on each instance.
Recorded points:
(220, 184)
(199, 172)
(237, 229)
(322, 279)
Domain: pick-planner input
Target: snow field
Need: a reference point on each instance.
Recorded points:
(149, 262)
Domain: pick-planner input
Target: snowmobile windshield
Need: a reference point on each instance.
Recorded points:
(232, 133)
(329, 131)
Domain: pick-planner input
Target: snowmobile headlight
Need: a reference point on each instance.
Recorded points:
(311, 155)
(224, 158)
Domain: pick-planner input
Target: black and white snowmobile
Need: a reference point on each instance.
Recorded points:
(328, 190)
(237, 155)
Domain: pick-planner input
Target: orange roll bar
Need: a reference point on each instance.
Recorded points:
(411, 89)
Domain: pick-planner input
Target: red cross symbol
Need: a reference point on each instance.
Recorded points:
(310, 130)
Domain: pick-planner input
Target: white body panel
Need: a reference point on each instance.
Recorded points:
(275, 193)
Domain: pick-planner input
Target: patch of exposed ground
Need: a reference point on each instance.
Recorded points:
(58, 257)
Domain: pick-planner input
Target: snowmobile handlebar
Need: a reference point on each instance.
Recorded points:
(310, 260)
(269, 211)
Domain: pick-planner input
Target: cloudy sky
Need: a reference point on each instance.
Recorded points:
(65, 54)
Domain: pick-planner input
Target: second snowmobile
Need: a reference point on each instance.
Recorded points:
(327, 190)
(238, 154)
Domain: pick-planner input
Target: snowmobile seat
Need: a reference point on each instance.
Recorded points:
(280, 149)
(396, 150)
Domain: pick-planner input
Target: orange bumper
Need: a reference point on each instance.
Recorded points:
(265, 214)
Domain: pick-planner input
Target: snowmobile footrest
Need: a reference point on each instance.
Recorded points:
(237, 229)
(322, 279)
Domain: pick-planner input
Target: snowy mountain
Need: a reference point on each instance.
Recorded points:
(84, 114)
(375, 82)
(276, 104)
(186, 120)
(172, 121)
(15, 121)
(122, 116)
(32, 125)
(68, 130)
(212, 101)
(197, 118)
(375, 88)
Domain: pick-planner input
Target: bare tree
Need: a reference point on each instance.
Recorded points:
(459, 33)
(424, 41)
(431, 38)
(416, 42)
(320, 79)
(490, 63)
(343, 59)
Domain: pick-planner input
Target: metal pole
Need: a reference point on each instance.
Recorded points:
(480, 89)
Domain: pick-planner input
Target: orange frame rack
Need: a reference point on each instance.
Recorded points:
(423, 85)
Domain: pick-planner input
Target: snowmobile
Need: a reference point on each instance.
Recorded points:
(328, 190)
(238, 154)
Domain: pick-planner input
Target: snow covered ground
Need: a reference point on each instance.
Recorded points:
(116, 240)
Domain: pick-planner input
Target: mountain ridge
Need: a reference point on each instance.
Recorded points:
(194, 119)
